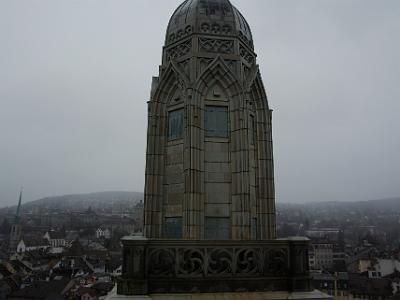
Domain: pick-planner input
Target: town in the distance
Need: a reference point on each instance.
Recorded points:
(69, 247)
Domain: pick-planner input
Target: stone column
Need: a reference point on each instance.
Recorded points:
(193, 207)
(299, 276)
(241, 222)
(134, 279)
(154, 170)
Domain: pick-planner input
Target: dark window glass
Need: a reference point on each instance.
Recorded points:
(175, 124)
(217, 229)
(253, 130)
(173, 228)
(217, 121)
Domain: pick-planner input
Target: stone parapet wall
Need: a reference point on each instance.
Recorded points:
(178, 266)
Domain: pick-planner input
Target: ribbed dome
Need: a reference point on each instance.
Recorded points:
(218, 17)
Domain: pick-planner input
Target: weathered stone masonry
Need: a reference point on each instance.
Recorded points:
(206, 181)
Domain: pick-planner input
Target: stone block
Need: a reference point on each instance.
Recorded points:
(252, 178)
(174, 178)
(174, 188)
(174, 158)
(217, 167)
(218, 193)
(264, 205)
(154, 182)
(173, 211)
(175, 198)
(195, 203)
(217, 210)
(237, 203)
(192, 217)
(218, 177)
(196, 159)
(194, 182)
(175, 149)
(216, 147)
(174, 169)
(217, 157)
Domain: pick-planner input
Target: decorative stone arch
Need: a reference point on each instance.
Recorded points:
(172, 78)
(218, 71)
(220, 75)
(171, 82)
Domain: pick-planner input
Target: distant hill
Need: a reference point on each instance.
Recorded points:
(378, 205)
(80, 202)
(104, 200)
(386, 204)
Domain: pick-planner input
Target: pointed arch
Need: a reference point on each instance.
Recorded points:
(254, 71)
(218, 72)
(257, 92)
(170, 81)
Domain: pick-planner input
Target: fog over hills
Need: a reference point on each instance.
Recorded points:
(378, 205)
(78, 202)
(101, 200)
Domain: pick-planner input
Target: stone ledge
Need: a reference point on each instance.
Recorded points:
(314, 295)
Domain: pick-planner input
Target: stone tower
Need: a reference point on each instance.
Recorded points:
(209, 211)
(209, 163)
(16, 228)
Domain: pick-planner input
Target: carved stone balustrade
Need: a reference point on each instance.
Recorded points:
(183, 266)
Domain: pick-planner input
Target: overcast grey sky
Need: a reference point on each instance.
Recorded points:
(75, 78)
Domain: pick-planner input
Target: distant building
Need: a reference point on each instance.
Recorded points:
(103, 233)
(84, 219)
(332, 284)
(16, 228)
(56, 239)
(41, 290)
(362, 287)
(331, 234)
(321, 255)
(32, 244)
(70, 237)
(378, 268)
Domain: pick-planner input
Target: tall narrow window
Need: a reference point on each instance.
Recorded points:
(173, 228)
(175, 124)
(217, 121)
(217, 229)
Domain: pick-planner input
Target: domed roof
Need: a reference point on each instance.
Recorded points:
(217, 17)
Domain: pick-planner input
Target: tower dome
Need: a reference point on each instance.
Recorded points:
(214, 17)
